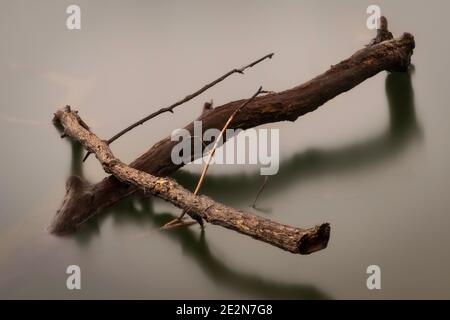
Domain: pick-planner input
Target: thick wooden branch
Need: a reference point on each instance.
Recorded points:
(295, 240)
(382, 54)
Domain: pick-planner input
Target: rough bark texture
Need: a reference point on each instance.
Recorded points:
(390, 55)
(295, 240)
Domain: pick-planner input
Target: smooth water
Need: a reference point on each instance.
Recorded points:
(373, 161)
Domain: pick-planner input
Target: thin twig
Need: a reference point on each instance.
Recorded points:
(266, 178)
(211, 154)
(185, 99)
(179, 223)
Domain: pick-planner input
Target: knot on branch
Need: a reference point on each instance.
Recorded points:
(383, 33)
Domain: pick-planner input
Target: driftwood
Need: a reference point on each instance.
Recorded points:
(84, 201)
(295, 240)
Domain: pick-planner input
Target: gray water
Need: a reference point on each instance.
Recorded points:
(372, 162)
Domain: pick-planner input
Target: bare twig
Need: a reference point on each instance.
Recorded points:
(266, 178)
(179, 223)
(185, 99)
(211, 154)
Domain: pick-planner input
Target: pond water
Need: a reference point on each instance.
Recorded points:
(373, 162)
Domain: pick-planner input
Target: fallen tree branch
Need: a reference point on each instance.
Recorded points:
(391, 55)
(295, 240)
(185, 99)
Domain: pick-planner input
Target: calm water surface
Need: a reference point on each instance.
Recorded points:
(373, 162)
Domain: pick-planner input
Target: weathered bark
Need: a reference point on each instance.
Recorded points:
(390, 55)
(295, 240)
